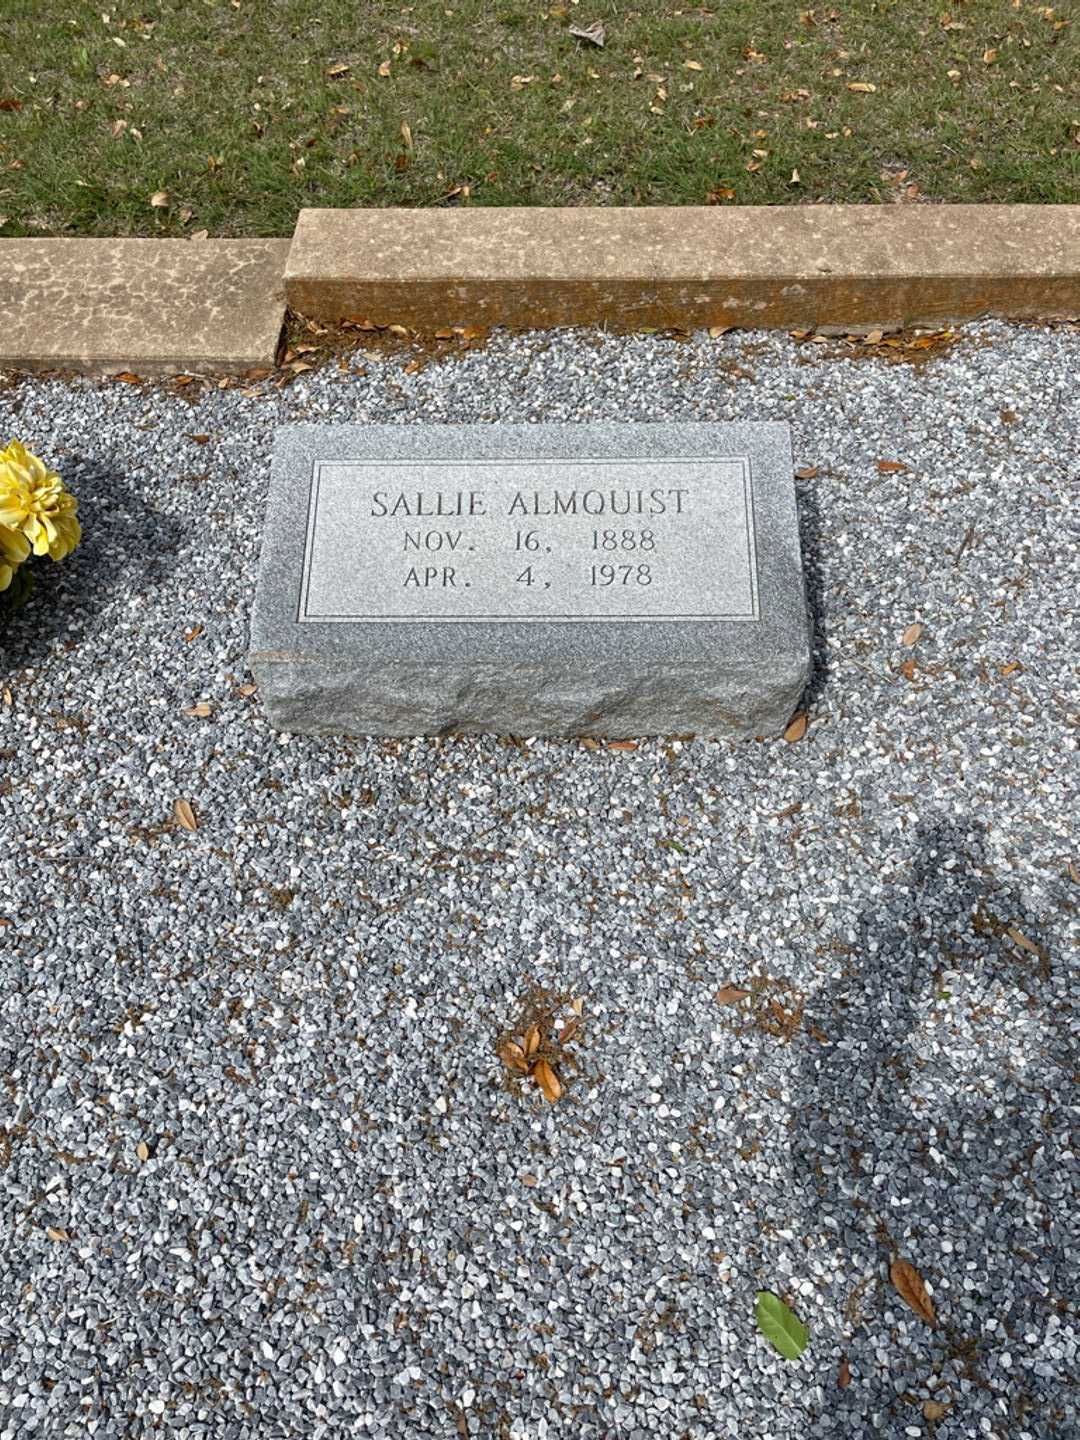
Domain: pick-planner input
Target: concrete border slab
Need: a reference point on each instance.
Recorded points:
(154, 307)
(841, 266)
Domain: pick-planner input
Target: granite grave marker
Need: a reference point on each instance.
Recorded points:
(602, 579)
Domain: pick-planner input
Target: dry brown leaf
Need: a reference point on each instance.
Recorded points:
(730, 995)
(989, 56)
(532, 1040)
(593, 33)
(578, 1004)
(548, 1081)
(715, 331)
(192, 633)
(55, 1234)
(693, 65)
(184, 815)
(843, 1375)
(907, 669)
(199, 711)
(384, 69)
(247, 690)
(406, 134)
(128, 378)
(911, 1288)
(1019, 938)
(892, 467)
(622, 745)
(589, 743)
(142, 1150)
(797, 728)
(160, 200)
(1074, 872)
(530, 1180)
(198, 439)
(339, 69)
(862, 87)
(808, 472)
(513, 1057)
(1010, 669)
(934, 1410)
(911, 635)
(568, 1031)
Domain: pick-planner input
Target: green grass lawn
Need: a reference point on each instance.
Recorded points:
(234, 114)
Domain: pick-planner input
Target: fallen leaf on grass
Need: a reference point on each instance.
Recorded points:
(862, 87)
(384, 69)
(340, 69)
(911, 635)
(730, 994)
(593, 33)
(9, 104)
(783, 1330)
(797, 728)
(160, 200)
(184, 815)
(548, 1081)
(911, 1288)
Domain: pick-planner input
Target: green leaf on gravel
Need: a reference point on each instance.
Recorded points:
(781, 1328)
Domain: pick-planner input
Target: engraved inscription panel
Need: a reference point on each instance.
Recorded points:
(562, 540)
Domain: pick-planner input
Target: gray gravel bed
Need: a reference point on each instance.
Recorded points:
(260, 1171)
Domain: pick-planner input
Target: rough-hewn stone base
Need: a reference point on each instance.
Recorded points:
(813, 266)
(154, 307)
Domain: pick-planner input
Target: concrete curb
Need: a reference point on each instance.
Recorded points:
(843, 267)
(155, 307)
(161, 307)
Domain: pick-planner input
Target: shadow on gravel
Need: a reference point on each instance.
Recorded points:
(934, 1125)
(809, 509)
(126, 547)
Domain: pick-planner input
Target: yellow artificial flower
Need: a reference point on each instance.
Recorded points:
(33, 502)
(14, 549)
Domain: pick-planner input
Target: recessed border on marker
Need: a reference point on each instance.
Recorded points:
(305, 616)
